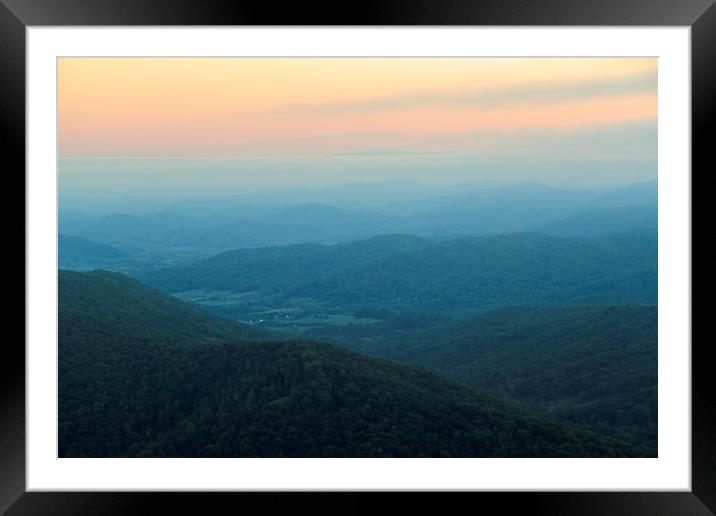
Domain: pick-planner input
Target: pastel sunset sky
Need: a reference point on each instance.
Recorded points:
(268, 122)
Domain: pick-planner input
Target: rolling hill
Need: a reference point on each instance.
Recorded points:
(72, 249)
(132, 384)
(280, 268)
(605, 221)
(119, 228)
(113, 304)
(460, 276)
(591, 365)
(329, 216)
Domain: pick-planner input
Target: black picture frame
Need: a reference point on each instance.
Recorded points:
(16, 15)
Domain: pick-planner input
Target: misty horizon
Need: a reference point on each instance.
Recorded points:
(353, 195)
(164, 129)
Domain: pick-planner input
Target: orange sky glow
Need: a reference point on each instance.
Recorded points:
(209, 107)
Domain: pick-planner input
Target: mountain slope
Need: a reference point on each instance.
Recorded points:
(637, 194)
(591, 365)
(112, 304)
(461, 276)
(605, 221)
(122, 228)
(77, 248)
(280, 268)
(476, 274)
(130, 393)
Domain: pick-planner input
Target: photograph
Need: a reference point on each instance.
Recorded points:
(408, 249)
(357, 257)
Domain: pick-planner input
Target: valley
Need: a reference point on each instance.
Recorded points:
(145, 375)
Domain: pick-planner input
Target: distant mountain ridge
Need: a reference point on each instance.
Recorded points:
(222, 224)
(604, 221)
(71, 248)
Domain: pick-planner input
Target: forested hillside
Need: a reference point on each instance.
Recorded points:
(80, 253)
(605, 221)
(592, 365)
(277, 269)
(101, 304)
(153, 393)
(459, 276)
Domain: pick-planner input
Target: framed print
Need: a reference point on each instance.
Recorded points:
(408, 251)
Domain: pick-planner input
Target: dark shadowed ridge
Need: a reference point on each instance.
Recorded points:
(591, 365)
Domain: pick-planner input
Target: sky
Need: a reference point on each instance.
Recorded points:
(218, 124)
